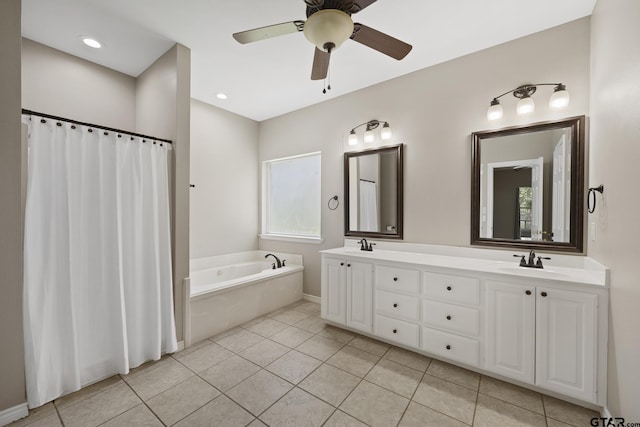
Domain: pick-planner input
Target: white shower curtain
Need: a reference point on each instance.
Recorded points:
(368, 206)
(98, 296)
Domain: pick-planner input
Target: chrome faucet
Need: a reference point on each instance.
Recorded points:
(532, 263)
(365, 246)
(278, 264)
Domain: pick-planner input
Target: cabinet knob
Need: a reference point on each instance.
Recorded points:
(395, 305)
(395, 279)
(544, 294)
(448, 317)
(342, 263)
(348, 265)
(448, 347)
(528, 292)
(395, 331)
(449, 288)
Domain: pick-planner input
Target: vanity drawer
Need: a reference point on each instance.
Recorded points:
(451, 317)
(399, 279)
(397, 330)
(451, 346)
(398, 305)
(464, 290)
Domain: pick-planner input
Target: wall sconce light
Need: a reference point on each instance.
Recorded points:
(385, 132)
(559, 99)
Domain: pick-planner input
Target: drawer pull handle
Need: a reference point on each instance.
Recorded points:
(395, 279)
(528, 292)
(449, 288)
(448, 317)
(544, 294)
(448, 347)
(395, 331)
(395, 305)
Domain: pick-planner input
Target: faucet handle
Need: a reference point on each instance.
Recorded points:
(371, 245)
(539, 262)
(283, 261)
(523, 262)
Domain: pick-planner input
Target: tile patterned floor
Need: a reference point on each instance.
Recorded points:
(289, 369)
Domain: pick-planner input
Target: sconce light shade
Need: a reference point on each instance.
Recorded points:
(368, 136)
(328, 27)
(353, 138)
(525, 105)
(560, 97)
(385, 133)
(495, 110)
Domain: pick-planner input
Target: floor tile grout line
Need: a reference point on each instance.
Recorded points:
(414, 391)
(143, 402)
(57, 413)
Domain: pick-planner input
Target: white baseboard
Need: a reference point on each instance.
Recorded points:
(311, 298)
(604, 413)
(14, 413)
(180, 346)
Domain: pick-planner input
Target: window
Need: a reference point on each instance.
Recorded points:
(291, 203)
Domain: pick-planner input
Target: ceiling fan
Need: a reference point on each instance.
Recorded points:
(327, 26)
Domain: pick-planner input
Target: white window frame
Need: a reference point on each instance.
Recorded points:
(265, 197)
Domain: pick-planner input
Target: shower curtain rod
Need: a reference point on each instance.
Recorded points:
(75, 122)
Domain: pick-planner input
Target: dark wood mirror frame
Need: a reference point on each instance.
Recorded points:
(398, 149)
(575, 244)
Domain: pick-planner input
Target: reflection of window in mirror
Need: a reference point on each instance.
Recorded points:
(523, 211)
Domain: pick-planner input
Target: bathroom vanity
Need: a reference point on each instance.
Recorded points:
(545, 329)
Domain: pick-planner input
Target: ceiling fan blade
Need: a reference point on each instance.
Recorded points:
(268, 32)
(381, 42)
(358, 5)
(320, 65)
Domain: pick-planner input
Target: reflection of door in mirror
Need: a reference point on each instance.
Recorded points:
(503, 182)
(561, 188)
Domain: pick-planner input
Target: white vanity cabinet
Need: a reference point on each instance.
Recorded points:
(347, 293)
(542, 329)
(544, 336)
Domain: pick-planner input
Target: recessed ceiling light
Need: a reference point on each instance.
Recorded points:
(91, 42)
(221, 96)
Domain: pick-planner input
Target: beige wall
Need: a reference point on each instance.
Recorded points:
(12, 386)
(615, 150)
(60, 84)
(433, 111)
(162, 110)
(224, 170)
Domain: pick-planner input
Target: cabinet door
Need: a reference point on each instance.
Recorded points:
(360, 296)
(566, 342)
(334, 290)
(510, 330)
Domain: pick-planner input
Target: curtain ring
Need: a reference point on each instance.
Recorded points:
(336, 204)
(592, 191)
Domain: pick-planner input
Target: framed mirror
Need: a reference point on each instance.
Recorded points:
(373, 193)
(527, 186)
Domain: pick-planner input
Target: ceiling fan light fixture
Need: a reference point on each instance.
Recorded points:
(328, 27)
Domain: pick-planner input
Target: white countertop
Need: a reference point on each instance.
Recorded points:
(584, 271)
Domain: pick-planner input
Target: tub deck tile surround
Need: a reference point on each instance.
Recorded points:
(391, 387)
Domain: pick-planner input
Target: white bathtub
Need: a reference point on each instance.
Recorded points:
(228, 290)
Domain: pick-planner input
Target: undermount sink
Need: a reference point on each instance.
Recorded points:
(534, 272)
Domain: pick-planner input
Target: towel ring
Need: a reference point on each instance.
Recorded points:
(336, 204)
(592, 192)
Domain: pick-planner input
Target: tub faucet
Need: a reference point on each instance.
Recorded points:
(278, 262)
